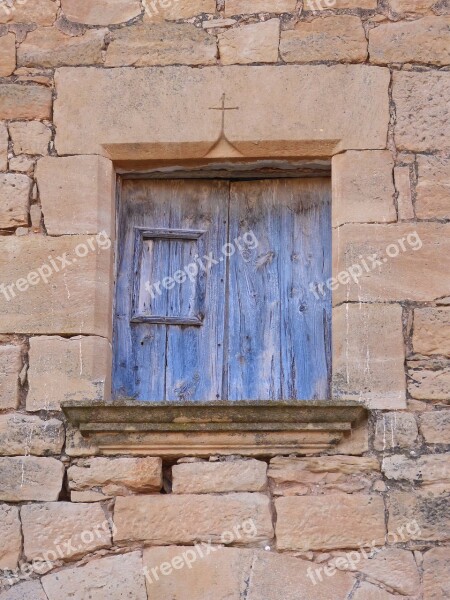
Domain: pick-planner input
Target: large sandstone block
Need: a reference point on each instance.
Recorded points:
(26, 434)
(49, 47)
(426, 470)
(432, 331)
(382, 263)
(14, 199)
(3, 147)
(117, 476)
(25, 101)
(363, 190)
(30, 478)
(255, 43)
(363, 368)
(7, 54)
(41, 12)
(326, 522)
(48, 527)
(77, 194)
(236, 519)
(425, 40)
(421, 101)
(28, 590)
(411, 6)
(30, 137)
(11, 536)
(395, 430)
(66, 283)
(418, 515)
(216, 477)
(435, 426)
(10, 367)
(339, 38)
(109, 578)
(161, 44)
(241, 7)
(433, 187)
(172, 11)
(429, 380)
(99, 12)
(67, 369)
(130, 113)
(436, 574)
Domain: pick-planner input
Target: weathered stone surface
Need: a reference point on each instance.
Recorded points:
(255, 43)
(41, 12)
(171, 519)
(25, 101)
(22, 163)
(435, 427)
(364, 369)
(67, 369)
(216, 477)
(425, 40)
(28, 590)
(349, 519)
(161, 44)
(363, 190)
(395, 430)
(338, 38)
(340, 4)
(49, 47)
(298, 476)
(75, 300)
(77, 194)
(77, 445)
(172, 11)
(47, 526)
(241, 7)
(109, 108)
(10, 367)
(411, 6)
(3, 147)
(367, 591)
(26, 434)
(99, 12)
(421, 101)
(436, 574)
(88, 496)
(432, 331)
(11, 537)
(14, 194)
(30, 137)
(109, 578)
(433, 187)
(404, 199)
(418, 515)
(7, 54)
(411, 262)
(28, 478)
(118, 476)
(429, 380)
(427, 469)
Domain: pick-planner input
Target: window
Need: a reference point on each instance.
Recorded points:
(213, 292)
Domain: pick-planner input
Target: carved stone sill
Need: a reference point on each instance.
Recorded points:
(193, 429)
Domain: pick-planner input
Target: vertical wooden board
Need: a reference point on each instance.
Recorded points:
(154, 261)
(253, 328)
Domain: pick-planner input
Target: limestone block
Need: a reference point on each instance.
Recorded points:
(425, 40)
(338, 38)
(411, 6)
(368, 591)
(10, 534)
(25, 101)
(10, 367)
(217, 477)
(30, 478)
(46, 528)
(395, 430)
(109, 578)
(99, 12)
(326, 522)
(28, 590)
(435, 426)
(77, 194)
(22, 163)
(404, 199)
(433, 187)
(421, 101)
(363, 190)
(67, 369)
(118, 475)
(41, 12)
(391, 262)
(172, 11)
(49, 47)
(14, 194)
(426, 470)
(3, 147)
(419, 515)
(130, 113)
(7, 54)
(241, 7)
(255, 43)
(432, 331)
(77, 445)
(364, 367)
(77, 296)
(161, 44)
(30, 137)
(429, 380)
(236, 519)
(436, 574)
(26, 434)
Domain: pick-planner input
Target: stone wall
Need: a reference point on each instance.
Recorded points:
(370, 521)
